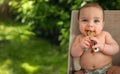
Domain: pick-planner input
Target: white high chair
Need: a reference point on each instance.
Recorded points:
(112, 25)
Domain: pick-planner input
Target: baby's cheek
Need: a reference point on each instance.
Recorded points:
(83, 32)
(97, 32)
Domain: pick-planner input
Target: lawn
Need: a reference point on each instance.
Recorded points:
(29, 55)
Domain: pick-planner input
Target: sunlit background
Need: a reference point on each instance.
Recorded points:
(34, 34)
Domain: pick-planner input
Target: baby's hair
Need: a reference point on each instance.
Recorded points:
(91, 4)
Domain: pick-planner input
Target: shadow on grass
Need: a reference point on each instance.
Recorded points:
(34, 56)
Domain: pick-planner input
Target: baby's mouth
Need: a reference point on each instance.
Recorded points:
(90, 33)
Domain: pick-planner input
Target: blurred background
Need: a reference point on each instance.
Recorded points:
(34, 34)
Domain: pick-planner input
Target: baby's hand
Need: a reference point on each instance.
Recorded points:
(98, 44)
(85, 42)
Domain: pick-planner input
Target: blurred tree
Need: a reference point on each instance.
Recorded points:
(48, 18)
(4, 7)
(110, 4)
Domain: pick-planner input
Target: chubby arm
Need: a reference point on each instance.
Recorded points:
(76, 50)
(110, 47)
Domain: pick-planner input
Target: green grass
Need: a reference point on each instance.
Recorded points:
(38, 54)
(31, 56)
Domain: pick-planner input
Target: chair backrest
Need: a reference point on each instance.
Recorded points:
(112, 25)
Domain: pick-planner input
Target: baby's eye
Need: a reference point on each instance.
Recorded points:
(96, 21)
(85, 20)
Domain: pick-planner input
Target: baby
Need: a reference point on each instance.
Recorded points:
(94, 46)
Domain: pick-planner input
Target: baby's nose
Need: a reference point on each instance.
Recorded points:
(91, 26)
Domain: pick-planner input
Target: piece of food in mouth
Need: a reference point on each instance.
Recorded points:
(90, 33)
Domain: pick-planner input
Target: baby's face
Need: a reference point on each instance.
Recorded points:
(91, 19)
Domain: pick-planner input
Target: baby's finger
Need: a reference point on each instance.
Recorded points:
(87, 43)
(88, 39)
(85, 46)
(94, 39)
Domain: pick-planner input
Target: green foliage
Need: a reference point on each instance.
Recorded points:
(36, 13)
(51, 19)
(48, 17)
(24, 9)
(14, 31)
(111, 5)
